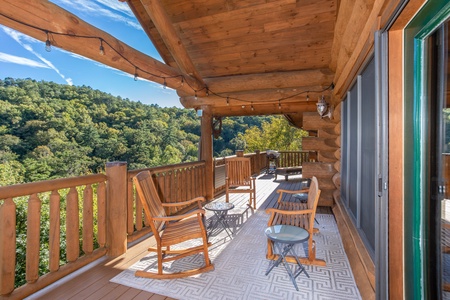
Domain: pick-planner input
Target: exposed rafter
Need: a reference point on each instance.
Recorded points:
(173, 43)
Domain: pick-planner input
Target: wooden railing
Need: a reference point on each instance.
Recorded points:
(293, 158)
(59, 202)
(175, 183)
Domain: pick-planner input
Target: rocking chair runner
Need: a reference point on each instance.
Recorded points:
(300, 215)
(171, 230)
(239, 179)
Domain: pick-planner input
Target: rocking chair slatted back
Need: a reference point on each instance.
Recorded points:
(150, 200)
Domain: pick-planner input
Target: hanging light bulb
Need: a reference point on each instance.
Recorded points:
(228, 101)
(307, 96)
(101, 49)
(207, 91)
(48, 44)
(195, 96)
(253, 109)
(279, 104)
(135, 74)
(182, 81)
(164, 84)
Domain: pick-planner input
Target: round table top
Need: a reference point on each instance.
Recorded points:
(286, 234)
(217, 206)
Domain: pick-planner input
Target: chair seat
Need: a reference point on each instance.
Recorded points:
(181, 231)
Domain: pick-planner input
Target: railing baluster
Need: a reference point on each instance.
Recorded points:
(101, 214)
(55, 231)
(88, 220)
(130, 200)
(138, 213)
(7, 246)
(72, 226)
(33, 238)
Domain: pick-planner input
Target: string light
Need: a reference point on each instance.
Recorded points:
(195, 96)
(252, 107)
(101, 50)
(164, 84)
(48, 44)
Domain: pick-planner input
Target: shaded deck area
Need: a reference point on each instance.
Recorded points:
(93, 282)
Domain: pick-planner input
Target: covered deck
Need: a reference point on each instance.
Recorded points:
(93, 281)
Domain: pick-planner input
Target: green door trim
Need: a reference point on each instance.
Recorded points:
(417, 267)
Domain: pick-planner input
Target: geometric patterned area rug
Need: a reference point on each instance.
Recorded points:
(240, 266)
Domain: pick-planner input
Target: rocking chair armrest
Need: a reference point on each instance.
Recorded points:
(289, 212)
(279, 191)
(197, 199)
(179, 217)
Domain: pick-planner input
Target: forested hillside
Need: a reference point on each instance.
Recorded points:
(48, 130)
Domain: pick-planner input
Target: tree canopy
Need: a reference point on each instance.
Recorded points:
(49, 130)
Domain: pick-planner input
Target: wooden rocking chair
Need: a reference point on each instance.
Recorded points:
(171, 230)
(239, 179)
(300, 215)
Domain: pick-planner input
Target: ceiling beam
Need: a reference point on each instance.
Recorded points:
(170, 37)
(263, 109)
(294, 79)
(41, 16)
(257, 97)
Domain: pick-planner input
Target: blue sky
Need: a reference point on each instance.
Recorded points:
(24, 57)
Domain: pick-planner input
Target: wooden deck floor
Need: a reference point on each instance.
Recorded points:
(93, 283)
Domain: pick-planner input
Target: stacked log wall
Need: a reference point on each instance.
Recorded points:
(327, 143)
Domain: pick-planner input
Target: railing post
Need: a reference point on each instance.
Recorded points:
(206, 151)
(116, 208)
(257, 161)
(240, 153)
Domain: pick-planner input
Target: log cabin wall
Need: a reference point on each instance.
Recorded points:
(327, 145)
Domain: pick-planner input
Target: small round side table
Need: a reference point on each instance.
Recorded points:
(284, 237)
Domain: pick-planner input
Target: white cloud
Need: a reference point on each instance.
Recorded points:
(4, 57)
(21, 39)
(118, 6)
(93, 8)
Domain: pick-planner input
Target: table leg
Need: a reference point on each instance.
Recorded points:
(221, 218)
(287, 249)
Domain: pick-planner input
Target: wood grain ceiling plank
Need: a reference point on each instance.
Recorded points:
(183, 10)
(304, 61)
(259, 49)
(239, 18)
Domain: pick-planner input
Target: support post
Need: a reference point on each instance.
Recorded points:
(116, 208)
(206, 150)
(257, 161)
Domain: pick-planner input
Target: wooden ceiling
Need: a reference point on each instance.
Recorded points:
(254, 56)
(233, 57)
